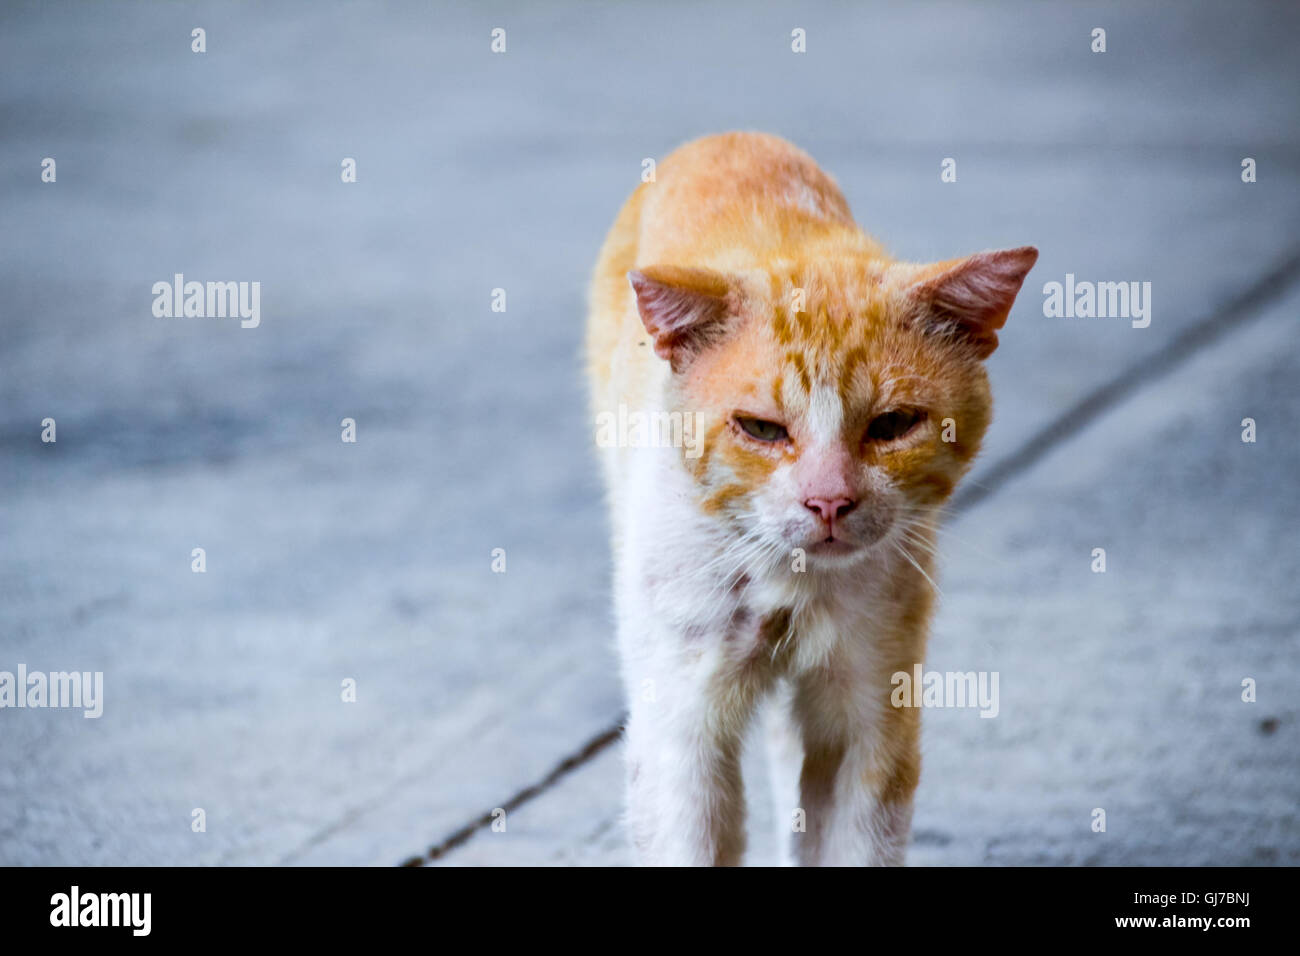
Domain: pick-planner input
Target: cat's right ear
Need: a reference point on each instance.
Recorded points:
(971, 298)
(683, 309)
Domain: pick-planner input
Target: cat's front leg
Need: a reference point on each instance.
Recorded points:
(784, 766)
(685, 796)
(860, 771)
(686, 804)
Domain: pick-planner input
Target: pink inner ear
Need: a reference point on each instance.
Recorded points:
(975, 296)
(680, 308)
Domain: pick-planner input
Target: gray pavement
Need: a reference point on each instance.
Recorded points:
(372, 561)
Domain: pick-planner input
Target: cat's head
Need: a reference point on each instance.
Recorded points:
(840, 402)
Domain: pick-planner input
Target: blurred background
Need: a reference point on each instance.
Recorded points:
(372, 561)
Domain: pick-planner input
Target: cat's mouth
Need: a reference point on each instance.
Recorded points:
(833, 546)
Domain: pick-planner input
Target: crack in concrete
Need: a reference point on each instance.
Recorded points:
(566, 766)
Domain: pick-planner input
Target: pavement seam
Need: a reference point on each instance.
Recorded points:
(1234, 314)
(572, 762)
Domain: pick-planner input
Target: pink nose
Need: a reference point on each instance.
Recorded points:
(830, 508)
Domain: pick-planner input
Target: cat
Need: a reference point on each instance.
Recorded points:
(838, 395)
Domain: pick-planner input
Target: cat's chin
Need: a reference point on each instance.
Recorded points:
(837, 553)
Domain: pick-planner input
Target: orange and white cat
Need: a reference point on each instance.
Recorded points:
(834, 397)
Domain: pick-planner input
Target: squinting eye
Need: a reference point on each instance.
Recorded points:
(762, 430)
(894, 425)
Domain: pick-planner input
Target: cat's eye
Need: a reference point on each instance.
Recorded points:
(762, 430)
(892, 426)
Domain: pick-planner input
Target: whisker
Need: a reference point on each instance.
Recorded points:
(949, 535)
(912, 561)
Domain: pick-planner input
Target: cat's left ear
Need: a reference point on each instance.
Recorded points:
(971, 298)
(683, 309)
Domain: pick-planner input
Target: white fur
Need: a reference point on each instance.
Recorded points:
(825, 415)
(696, 668)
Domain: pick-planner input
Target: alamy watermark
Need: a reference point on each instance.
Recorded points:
(1099, 300)
(923, 688)
(129, 910)
(72, 689)
(208, 300)
(638, 429)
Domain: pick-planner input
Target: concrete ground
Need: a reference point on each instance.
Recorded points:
(372, 561)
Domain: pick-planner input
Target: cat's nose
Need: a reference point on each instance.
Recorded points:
(830, 508)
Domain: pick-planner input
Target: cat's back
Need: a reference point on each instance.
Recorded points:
(734, 190)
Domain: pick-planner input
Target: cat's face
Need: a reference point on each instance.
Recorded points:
(839, 404)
